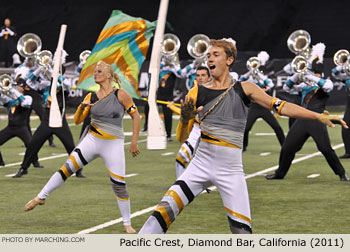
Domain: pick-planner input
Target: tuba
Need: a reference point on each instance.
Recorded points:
(299, 43)
(83, 56)
(170, 46)
(6, 83)
(341, 58)
(198, 47)
(29, 45)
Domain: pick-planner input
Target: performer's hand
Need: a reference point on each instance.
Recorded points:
(85, 104)
(330, 120)
(170, 104)
(134, 149)
(188, 110)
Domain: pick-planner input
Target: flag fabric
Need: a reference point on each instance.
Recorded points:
(123, 43)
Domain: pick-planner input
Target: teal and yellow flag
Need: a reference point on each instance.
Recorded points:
(123, 43)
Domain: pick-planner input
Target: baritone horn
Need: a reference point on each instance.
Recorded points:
(198, 47)
(170, 46)
(300, 65)
(84, 55)
(253, 64)
(29, 45)
(299, 43)
(341, 58)
(44, 59)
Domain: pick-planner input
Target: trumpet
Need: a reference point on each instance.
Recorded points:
(83, 56)
(198, 47)
(299, 43)
(6, 83)
(341, 58)
(300, 65)
(170, 46)
(29, 45)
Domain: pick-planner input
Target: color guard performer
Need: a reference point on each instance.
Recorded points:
(105, 139)
(222, 106)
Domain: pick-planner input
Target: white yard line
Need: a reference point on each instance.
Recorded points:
(150, 209)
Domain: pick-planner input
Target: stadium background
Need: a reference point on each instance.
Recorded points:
(255, 25)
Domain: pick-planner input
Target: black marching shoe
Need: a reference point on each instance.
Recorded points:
(52, 144)
(2, 164)
(344, 177)
(80, 174)
(346, 155)
(273, 176)
(37, 165)
(20, 173)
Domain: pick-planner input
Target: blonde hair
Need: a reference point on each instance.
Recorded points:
(115, 78)
(229, 48)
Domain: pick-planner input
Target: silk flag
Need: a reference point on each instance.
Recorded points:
(123, 43)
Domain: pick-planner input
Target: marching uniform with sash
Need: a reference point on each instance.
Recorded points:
(104, 138)
(218, 161)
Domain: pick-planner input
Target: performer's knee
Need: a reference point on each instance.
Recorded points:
(120, 190)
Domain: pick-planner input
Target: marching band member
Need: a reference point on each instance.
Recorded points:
(256, 111)
(338, 73)
(44, 131)
(167, 77)
(18, 110)
(31, 73)
(314, 91)
(222, 106)
(105, 138)
(293, 94)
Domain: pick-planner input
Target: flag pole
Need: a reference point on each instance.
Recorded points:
(156, 136)
(55, 118)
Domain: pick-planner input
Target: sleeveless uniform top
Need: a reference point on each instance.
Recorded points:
(107, 117)
(225, 124)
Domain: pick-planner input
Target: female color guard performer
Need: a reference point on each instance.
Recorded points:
(105, 139)
(218, 159)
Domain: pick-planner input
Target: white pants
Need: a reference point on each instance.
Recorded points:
(212, 165)
(187, 150)
(91, 147)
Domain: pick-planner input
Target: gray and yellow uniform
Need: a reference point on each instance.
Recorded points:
(104, 138)
(218, 161)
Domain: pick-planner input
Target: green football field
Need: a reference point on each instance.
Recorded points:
(297, 204)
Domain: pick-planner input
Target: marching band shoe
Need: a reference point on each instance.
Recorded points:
(273, 176)
(33, 203)
(80, 174)
(2, 164)
(20, 173)
(37, 165)
(344, 177)
(346, 155)
(52, 144)
(169, 139)
(129, 230)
